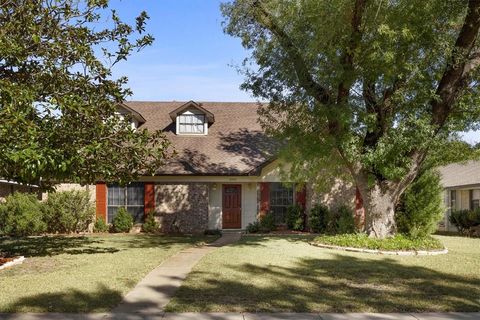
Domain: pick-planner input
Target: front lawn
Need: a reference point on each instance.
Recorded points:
(81, 274)
(287, 274)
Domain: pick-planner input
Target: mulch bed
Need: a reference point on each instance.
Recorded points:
(5, 260)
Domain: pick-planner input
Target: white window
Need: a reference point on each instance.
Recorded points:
(189, 123)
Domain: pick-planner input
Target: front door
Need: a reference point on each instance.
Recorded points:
(232, 206)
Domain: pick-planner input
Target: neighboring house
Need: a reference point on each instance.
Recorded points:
(8, 187)
(223, 176)
(461, 183)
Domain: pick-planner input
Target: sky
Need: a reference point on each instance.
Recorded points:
(191, 58)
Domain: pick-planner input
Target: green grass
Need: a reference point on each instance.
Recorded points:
(287, 274)
(399, 242)
(81, 274)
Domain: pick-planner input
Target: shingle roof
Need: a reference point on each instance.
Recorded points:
(235, 143)
(460, 174)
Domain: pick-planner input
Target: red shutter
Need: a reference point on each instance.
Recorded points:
(264, 198)
(301, 197)
(101, 200)
(359, 210)
(149, 197)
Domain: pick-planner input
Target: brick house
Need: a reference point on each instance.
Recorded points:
(224, 174)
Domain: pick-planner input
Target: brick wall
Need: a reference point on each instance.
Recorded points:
(182, 207)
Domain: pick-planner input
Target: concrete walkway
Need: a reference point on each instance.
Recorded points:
(152, 293)
(244, 316)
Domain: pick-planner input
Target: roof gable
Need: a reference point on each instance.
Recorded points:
(192, 105)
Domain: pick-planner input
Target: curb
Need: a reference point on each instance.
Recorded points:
(384, 252)
(17, 260)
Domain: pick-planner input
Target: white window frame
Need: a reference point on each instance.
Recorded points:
(192, 113)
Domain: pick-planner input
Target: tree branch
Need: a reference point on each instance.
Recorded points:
(348, 56)
(453, 79)
(305, 79)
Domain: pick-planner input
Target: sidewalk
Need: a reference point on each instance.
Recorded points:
(245, 316)
(154, 291)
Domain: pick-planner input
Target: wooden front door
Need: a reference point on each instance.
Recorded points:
(232, 206)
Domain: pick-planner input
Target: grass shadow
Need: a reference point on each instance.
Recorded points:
(53, 245)
(69, 301)
(343, 283)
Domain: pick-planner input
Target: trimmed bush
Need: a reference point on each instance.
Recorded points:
(295, 218)
(420, 207)
(253, 227)
(465, 219)
(69, 211)
(344, 221)
(318, 218)
(22, 215)
(150, 225)
(267, 223)
(100, 226)
(123, 221)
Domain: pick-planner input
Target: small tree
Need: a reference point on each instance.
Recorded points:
(420, 207)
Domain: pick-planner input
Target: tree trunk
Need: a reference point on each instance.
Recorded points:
(379, 205)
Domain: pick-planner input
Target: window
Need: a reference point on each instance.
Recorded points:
(191, 124)
(281, 197)
(453, 199)
(130, 197)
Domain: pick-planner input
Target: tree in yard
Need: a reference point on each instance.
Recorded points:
(58, 99)
(373, 88)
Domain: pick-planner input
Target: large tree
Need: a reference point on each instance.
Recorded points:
(58, 99)
(374, 88)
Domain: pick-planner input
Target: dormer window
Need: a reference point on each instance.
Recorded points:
(192, 119)
(191, 123)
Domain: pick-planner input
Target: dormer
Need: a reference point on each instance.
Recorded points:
(136, 119)
(191, 119)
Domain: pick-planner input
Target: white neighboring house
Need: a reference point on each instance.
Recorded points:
(461, 183)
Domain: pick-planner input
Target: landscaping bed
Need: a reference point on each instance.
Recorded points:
(397, 243)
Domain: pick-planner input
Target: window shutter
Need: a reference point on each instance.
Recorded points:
(101, 200)
(149, 197)
(264, 198)
(301, 197)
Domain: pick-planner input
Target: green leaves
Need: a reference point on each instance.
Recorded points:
(58, 100)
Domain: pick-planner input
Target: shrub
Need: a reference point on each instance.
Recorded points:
(253, 227)
(123, 221)
(344, 221)
(213, 232)
(465, 219)
(318, 218)
(69, 211)
(100, 225)
(420, 207)
(150, 225)
(295, 217)
(267, 223)
(22, 215)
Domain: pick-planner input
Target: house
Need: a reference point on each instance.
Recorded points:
(224, 174)
(461, 183)
(8, 187)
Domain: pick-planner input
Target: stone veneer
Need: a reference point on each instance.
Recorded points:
(182, 207)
